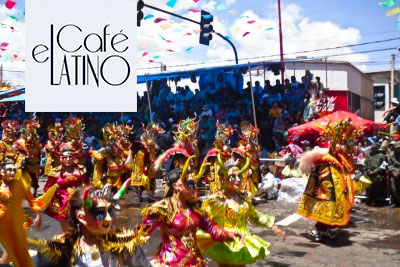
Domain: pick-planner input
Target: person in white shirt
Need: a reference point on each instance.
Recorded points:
(268, 188)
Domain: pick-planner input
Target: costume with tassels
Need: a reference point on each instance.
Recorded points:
(119, 247)
(56, 136)
(233, 214)
(142, 158)
(8, 138)
(66, 182)
(222, 147)
(178, 228)
(110, 159)
(185, 144)
(12, 218)
(28, 152)
(329, 196)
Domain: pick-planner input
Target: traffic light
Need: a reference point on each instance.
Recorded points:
(206, 28)
(140, 15)
(379, 97)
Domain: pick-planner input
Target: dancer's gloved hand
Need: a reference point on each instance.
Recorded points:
(279, 232)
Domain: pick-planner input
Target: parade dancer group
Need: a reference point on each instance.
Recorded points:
(189, 228)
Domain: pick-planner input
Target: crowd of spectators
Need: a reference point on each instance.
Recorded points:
(277, 107)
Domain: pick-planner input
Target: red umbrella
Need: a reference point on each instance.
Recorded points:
(310, 127)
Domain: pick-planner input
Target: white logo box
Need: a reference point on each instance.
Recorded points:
(81, 56)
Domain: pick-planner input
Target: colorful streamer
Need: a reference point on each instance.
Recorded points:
(387, 3)
(246, 33)
(393, 12)
(193, 10)
(157, 20)
(221, 7)
(171, 3)
(188, 49)
(149, 16)
(251, 21)
(10, 4)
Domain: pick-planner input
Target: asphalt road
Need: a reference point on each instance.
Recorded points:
(372, 238)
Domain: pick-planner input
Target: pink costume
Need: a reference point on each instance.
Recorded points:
(178, 233)
(59, 205)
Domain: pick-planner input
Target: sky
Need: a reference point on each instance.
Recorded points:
(306, 25)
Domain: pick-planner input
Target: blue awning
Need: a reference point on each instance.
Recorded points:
(20, 97)
(12, 91)
(198, 72)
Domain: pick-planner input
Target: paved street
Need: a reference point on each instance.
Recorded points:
(372, 239)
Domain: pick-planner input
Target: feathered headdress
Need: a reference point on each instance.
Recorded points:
(9, 128)
(73, 129)
(56, 131)
(29, 128)
(342, 136)
(187, 130)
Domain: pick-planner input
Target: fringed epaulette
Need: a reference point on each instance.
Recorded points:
(51, 250)
(162, 208)
(120, 240)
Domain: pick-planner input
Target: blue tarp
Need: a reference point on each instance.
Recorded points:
(20, 97)
(12, 91)
(271, 65)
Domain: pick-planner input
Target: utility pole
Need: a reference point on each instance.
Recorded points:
(391, 90)
(1, 76)
(281, 44)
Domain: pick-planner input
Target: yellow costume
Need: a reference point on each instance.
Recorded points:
(12, 219)
(329, 194)
(110, 159)
(232, 215)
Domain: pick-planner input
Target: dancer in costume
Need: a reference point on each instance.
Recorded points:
(222, 147)
(73, 134)
(110, 159)
(141, 158)
(328, 196)
(249, 143)
(12, 218)
(8, 138)
(231, 210)
(92, 240)
(56, 136)
(185, 146)
(178, 222)
(28, 155)
(68, 176)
